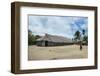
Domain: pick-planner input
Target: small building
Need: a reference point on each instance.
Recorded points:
(53, 40)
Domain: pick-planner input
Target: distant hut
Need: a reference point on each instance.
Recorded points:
(53, 40)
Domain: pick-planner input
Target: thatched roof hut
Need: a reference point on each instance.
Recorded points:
(53, 40)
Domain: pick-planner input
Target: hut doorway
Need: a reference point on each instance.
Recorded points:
(46, 43)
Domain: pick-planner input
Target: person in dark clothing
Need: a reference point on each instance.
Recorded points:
(80, 45)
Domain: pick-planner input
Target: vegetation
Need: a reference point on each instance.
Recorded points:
(32, 38)
(85, 39)
(81, 38)
(78, 36)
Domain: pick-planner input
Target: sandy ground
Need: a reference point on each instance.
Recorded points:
(56, 52)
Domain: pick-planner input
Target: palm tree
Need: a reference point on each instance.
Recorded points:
(85, 37)
(81, 37)
(77, 35)
(83, 32)
(78, 38)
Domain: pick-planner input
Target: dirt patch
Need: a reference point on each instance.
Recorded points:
(57, 52)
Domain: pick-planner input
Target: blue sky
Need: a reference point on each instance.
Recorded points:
(57, 25)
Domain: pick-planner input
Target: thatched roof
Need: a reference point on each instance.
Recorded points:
(54, 38)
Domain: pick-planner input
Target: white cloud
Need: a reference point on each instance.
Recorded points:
(56, 25)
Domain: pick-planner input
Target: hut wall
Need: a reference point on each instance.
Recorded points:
(42, 43)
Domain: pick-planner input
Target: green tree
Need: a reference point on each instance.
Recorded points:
(81, 38)
(37, 36)
(31, 38)
(83, 31)
(78, 38)
(85, 39)
(77, 35)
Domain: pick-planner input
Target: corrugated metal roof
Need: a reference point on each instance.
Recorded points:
(55, 38)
